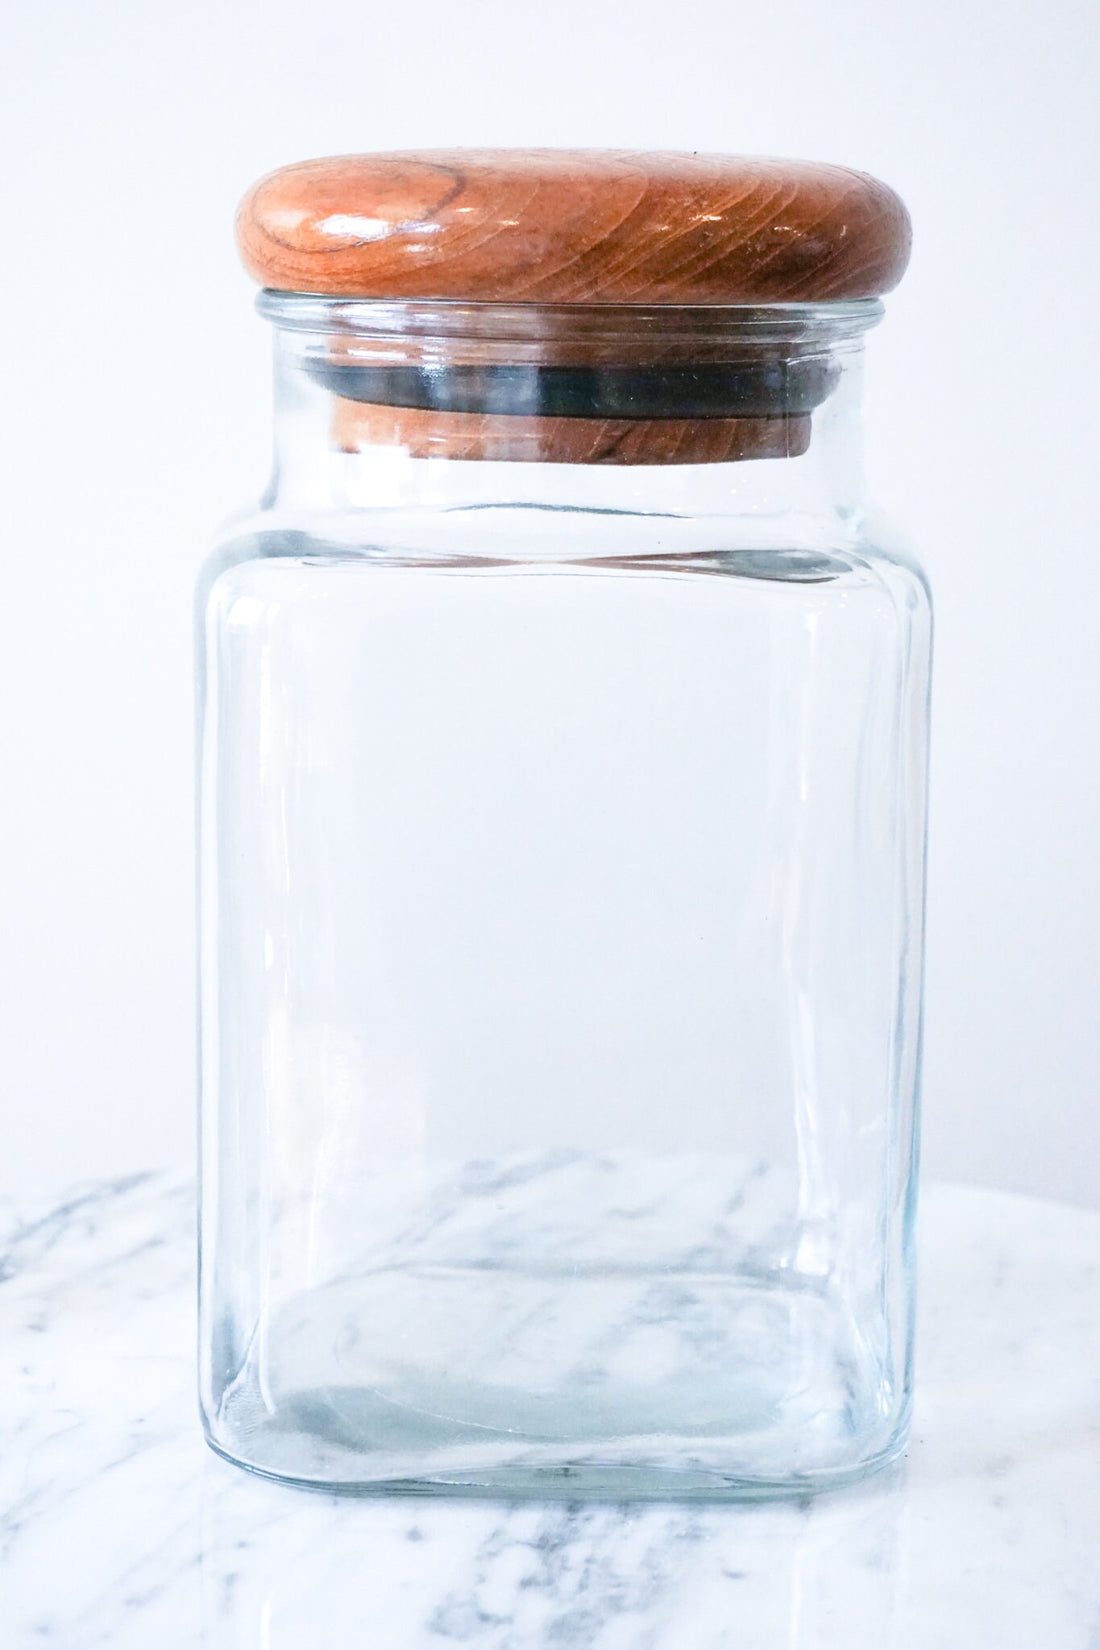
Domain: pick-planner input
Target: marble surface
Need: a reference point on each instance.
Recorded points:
(119, 1528)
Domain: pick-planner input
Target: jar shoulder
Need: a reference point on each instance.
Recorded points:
(883, 541)
(785, 550)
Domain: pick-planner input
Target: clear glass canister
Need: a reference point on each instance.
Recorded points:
(562, 838)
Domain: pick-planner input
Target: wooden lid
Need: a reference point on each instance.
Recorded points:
(567, 226)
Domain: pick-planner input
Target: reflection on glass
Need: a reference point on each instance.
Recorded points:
(287, 1571)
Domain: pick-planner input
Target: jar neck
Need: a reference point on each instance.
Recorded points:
(738, 413)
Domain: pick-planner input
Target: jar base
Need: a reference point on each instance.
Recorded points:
(589, 1482)
(608, 1327)
(603, 1383)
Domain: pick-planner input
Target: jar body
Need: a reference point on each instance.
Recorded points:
(562, 884)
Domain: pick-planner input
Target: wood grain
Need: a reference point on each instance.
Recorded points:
(574, 226)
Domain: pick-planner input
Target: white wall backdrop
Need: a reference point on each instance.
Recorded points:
(134, 405)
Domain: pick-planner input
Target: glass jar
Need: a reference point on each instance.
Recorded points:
(562, 842)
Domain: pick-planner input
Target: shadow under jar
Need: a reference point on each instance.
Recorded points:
(563, 729)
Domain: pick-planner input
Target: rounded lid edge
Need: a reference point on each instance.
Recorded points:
(562, 226)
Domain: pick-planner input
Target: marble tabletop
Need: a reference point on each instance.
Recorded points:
(119, 1528)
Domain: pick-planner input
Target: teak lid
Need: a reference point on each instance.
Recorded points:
(563, 236)
(567, 226)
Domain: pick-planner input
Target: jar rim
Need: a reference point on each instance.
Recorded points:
(799, 324)
(628, 383)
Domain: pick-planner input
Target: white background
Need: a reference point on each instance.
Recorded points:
(135, 404)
